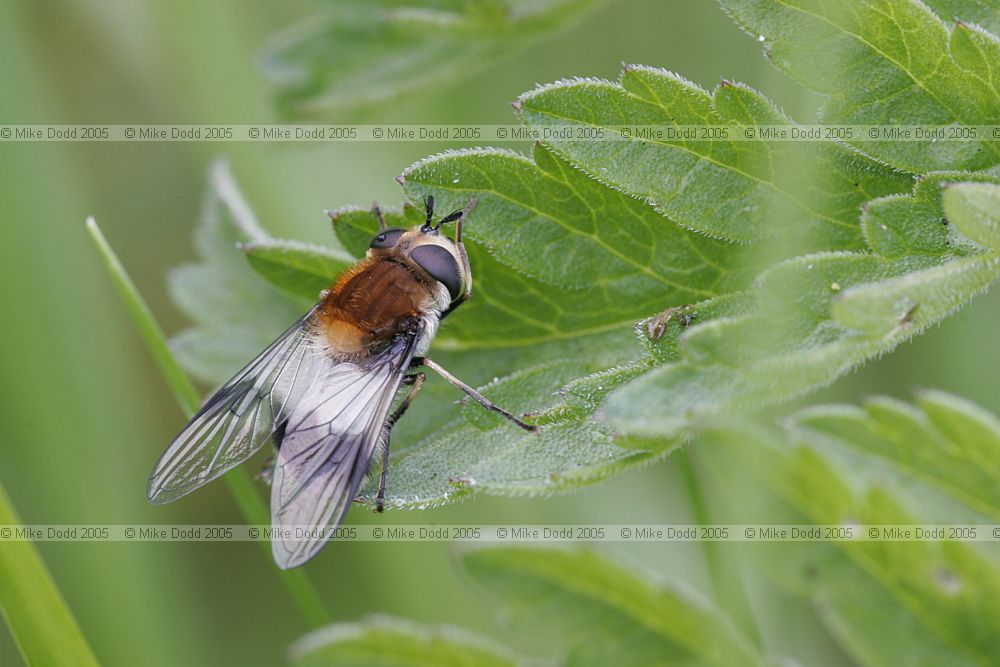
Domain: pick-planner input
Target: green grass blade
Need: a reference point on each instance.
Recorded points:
(156, 341)
(240, 486)
(723, 570)
(36, 613)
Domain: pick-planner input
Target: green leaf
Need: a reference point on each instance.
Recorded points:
(301, 269)
(509, 308)
(926, 602)
(974, 209)
(985, 13)
(568, 256)
(556, 222)
(39, 619)
(947, 443)
(481, 452)
(607, 613)
(800, 324)
(888, 62)
(441, 466)
(355, 54)
(814, 318)
(391, 642)
(809, 192)
(532, 282)
(913, 301)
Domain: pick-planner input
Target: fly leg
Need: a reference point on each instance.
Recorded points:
(473, 394)
(266, 471)
(377, 212)
(417, 381)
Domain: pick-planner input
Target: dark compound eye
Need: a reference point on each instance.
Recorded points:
(387, 239)
(441, 265)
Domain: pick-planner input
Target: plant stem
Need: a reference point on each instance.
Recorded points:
(724, 572)
(36, 613)
(240, 485)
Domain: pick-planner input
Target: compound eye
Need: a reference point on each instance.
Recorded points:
(387, 239)
(440, 265)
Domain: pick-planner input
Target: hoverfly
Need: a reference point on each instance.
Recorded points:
(323, 391)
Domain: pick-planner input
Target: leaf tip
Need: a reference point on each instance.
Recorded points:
(219, 173)
(94, 230)
(96, 234)
(336, 214)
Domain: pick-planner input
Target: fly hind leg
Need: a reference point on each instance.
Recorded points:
(417, 381)
(266, 473)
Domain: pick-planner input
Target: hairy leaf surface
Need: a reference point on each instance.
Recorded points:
(890, 62)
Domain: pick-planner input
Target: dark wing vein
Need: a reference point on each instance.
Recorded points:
(329, 442)
(240, 417)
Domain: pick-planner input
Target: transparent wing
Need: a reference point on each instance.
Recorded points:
(241, 416)
(329, 442)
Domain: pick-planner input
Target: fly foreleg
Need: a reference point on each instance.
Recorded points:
(417, 381)
(473, 394)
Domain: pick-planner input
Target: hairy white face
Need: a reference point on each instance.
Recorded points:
(429, 252)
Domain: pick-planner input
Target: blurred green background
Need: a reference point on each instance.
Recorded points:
(84, 413)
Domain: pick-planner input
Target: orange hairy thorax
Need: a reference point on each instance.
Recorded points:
(369, 302)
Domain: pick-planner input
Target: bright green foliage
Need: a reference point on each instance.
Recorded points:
(973, 207)
(985, 13)
(728, 342)
(355, 53)
(758, 270)
(504, 459)
(814, 317)
(929, 602)
(30, 602)
(920, 602)
(593, 611)
(299, 268)
(605, 613)
(889, 62)
(533, 277)
(729, 188)
(444, 465)
(573, 222)
(383, 641)
(752, 271)
(511, 308)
